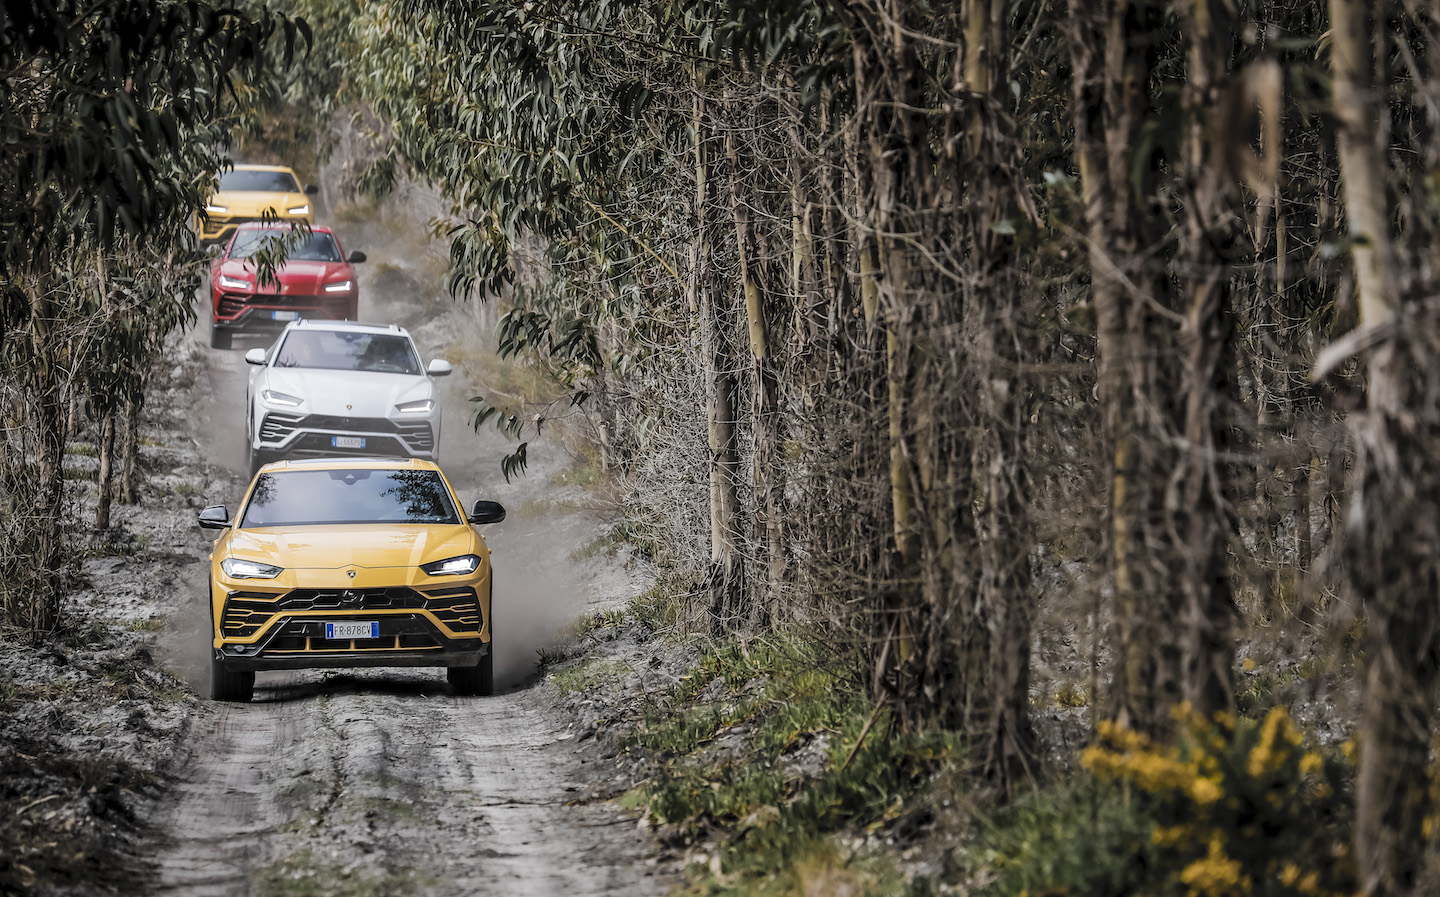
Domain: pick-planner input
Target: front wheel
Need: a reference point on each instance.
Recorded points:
(220, 338)
(230, 685)
(476, 680)
(256, 459)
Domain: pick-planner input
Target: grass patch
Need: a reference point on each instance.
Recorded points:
(600, 619)
(82, 474)
(588, 675)
(660, 607)
(116, 548)
(302, 873)
(587, 474)
(149, 624)
(777, 697)
(83, 449)
(607, 543)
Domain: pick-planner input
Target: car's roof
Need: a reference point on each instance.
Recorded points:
(352, 464)
(247, 166)
(348, 326)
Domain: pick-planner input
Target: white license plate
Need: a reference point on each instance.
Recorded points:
(347, 441)
(352, 630)
(285, 315)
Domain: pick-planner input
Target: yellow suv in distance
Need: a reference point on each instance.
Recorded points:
(246, 193)
(350, 563)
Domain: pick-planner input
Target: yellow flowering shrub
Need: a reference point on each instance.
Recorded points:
(1238, 808)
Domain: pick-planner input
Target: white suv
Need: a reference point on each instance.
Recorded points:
(337, 388)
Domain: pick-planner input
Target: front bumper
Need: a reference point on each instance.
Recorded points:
(286, 631)
(300, 435)
(270, 312)
(217, 228)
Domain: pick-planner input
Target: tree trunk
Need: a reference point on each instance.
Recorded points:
(1391, 525)
(725, 581)
(1164, 368)
(1198, 501)
(130, 452)
(768, 473)
(107, 466)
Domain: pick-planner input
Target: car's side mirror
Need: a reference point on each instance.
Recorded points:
(311, 189)
(439, 367)
(216, 517)
(255, 356)
(356, 257)
(487, 512)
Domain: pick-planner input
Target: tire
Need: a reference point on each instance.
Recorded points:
(255, 459)
(479, 679)
(476, 680)
(230, 685)
(219, 338)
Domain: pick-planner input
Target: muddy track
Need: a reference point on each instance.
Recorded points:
(386, 784)
(381, 781)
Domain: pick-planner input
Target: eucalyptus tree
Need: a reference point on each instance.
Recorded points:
(1388, 136)
(547, 120)
(108, 121)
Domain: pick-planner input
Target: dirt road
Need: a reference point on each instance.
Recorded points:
(381, 782)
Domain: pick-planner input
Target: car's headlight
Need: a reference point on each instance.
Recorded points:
(280, 398)
(235, 282)
(299, 210)
(211, 207)
(465, 563)
(236, 568)
(419, 407)
(339, 286)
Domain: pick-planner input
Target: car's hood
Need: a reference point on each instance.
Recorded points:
(295, 276)
(349, 393)
(254, 203)
(367, 546)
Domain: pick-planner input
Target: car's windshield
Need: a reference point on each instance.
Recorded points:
(318, 247)
(329, 497)
(347, 350)
(267, 181)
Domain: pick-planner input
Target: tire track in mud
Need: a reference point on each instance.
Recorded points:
(380, 784)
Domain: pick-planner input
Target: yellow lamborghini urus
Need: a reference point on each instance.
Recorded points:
(248, 193)
(350, 563)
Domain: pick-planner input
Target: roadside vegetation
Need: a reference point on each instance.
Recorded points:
(1060, 371)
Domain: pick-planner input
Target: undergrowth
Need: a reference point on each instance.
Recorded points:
(781, 754)
(1235, 807)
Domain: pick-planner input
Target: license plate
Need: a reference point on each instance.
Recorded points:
(347, 441)
(285, 315)
(352, 630)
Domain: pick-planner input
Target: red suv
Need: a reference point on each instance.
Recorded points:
(316, 281)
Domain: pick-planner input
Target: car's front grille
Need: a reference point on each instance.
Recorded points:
(233, 304)
(351, 599)
(417, 436)
(276, 427)
(245, 612)
(458, 608)
(348, 424)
